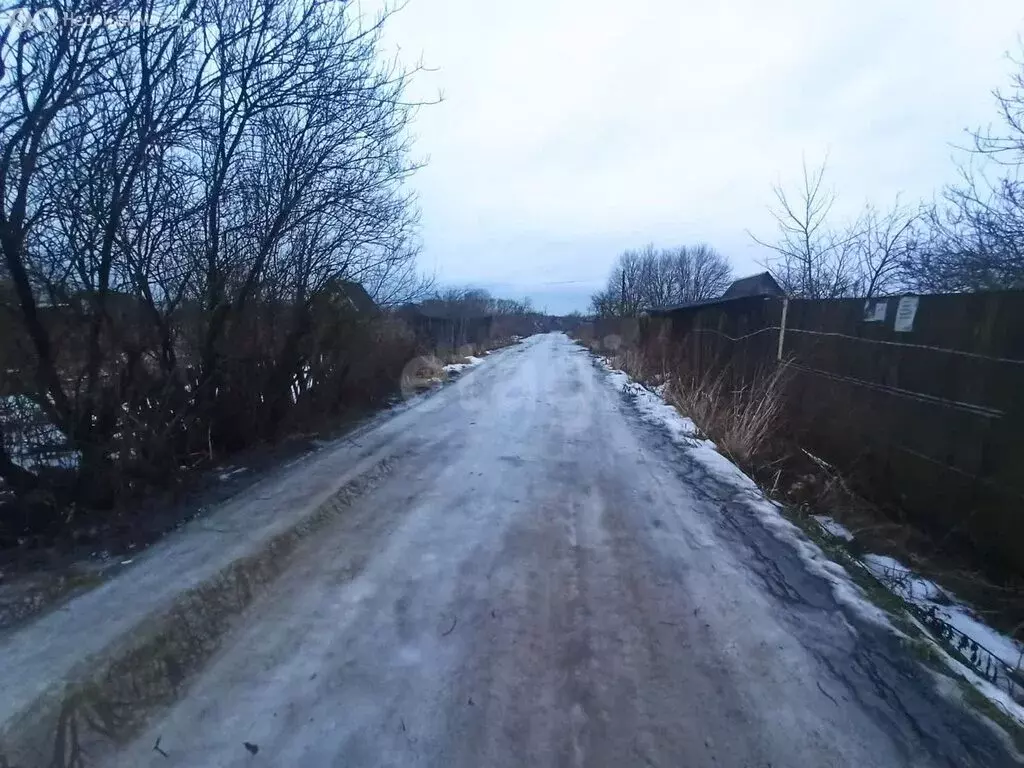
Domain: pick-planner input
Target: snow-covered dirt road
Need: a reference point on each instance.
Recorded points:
(544, 579)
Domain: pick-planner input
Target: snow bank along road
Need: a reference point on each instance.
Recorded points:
(543, 579)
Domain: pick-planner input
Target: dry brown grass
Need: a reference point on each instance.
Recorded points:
(460, 355)
(742, 418)
(422, 373)
(748, 421)
(811, 486)
(496, 344)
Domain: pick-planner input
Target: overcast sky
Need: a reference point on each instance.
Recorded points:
(572, 130)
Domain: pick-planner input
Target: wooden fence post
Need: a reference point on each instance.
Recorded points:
(782, 327)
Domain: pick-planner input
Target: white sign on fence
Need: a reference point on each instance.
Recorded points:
(874, 311)
(906, 311)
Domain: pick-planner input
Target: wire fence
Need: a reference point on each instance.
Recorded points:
(963, 648)
(925, 417)
(971, 653)
(864, 339)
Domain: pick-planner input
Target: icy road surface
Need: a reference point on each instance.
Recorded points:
(546, 580)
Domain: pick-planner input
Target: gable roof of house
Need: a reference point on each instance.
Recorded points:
(762, 284)
(358, 297)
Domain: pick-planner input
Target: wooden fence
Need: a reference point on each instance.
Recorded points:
(921, 398)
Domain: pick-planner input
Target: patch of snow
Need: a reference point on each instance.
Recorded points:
(928, 595)
(33, 442)
(684, 432)
(833, 528)
(1006, 649)
(904, 582)
(845, 591)
(460, 367)
(996, 695)
(653, 408)
(229, 473)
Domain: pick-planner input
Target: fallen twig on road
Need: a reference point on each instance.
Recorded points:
(156, 747)
(827, 694)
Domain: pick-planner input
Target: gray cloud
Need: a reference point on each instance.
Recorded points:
(571, 130)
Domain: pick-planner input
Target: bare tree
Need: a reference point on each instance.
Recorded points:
(187, 189)
(886, 241)
(699, 273)
(974, 238)
(48, 74)
(142, 103)
(475, 302)
(649, 278)
(625, 291)
(810, 259)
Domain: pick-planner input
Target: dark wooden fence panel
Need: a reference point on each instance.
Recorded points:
(930, 419)
(736, 335)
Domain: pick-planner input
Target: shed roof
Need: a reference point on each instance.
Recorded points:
(357, 296)
(762, 285)
(699, 304)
